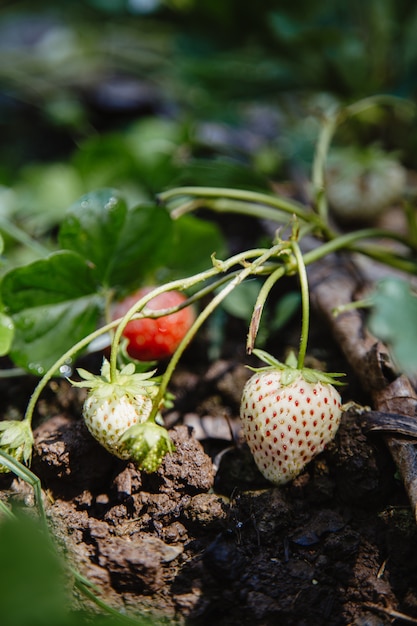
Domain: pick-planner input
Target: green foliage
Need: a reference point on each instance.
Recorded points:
(393, 320)
(32, 579)
(106, 248)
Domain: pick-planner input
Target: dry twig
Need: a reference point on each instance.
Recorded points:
(335, 282)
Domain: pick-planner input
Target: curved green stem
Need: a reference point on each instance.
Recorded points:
(254, 198)
(29, 477)
(360, 106)
(240, 207)
(319, 164)
(305, 304)
(60, 362)
(259, 306)
(348, 240)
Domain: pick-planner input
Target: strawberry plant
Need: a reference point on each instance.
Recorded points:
(56, 308)
(57, 304)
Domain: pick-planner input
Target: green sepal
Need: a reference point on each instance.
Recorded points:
(147, 444)
(126, 381)
(16, 439)
(290, 371)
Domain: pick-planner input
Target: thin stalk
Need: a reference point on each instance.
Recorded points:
(29, 477)
(348, 240)
(360, 106)
(259, 306)
(343, 241)
(60, 362)
(305, 304)
(252, 197)
(319, 165)
(213, 304)
(386, 258)
(232, 206)
(6, 511)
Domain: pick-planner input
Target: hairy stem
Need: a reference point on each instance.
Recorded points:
(305, 304)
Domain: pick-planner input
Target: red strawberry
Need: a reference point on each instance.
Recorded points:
(155, 339)
(288, 416)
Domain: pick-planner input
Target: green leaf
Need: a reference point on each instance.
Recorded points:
(53, 303)
(145, 243)
(286, 307)
(241, 301)
(92, 227)
(192, 244)
(32, 579)
(6, 333)
(393, 321)
(122, 245)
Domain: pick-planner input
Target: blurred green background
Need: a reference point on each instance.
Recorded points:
(146, 94)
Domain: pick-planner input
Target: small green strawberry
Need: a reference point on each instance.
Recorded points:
(362, 184)
(16, 439)
(288, 415)
(112, 407)
(147, 444)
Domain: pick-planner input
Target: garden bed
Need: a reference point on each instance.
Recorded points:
(205, 538)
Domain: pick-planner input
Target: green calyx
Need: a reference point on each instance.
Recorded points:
(16, 439)
(125, 382)
(147, 444)
(290, 372)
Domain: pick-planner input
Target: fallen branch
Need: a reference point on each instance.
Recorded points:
(335, 282)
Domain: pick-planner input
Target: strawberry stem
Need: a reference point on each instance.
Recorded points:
(319, 164)
(259, 307)
(305, 303)
(80, 345)
(247, 202)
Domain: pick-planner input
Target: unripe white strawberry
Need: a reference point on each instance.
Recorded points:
(108, 419)
(288, 415)
(362, 184)
(113, 406)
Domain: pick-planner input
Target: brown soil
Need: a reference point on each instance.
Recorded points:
(205, 540)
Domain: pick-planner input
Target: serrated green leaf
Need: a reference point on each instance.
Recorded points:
(53, 303)
(393, 320)
(145, 243)
(123, 245)
(92, 226)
